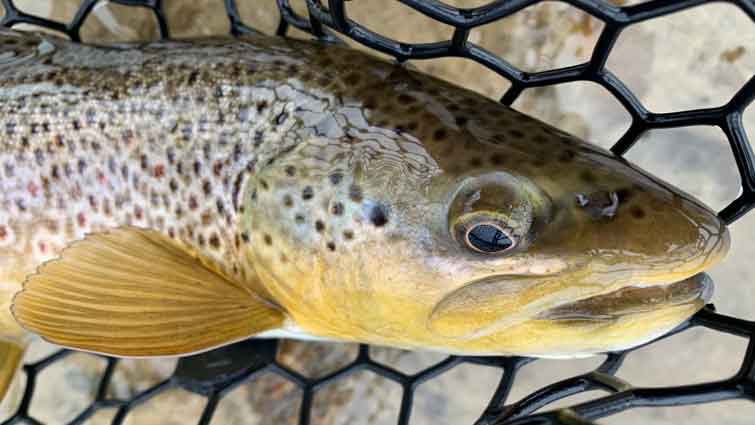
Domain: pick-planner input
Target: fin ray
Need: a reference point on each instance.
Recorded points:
(11, 355)
(134, 292)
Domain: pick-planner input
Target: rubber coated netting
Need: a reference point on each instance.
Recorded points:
(213, 375)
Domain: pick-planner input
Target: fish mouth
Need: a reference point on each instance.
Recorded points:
(631, 300)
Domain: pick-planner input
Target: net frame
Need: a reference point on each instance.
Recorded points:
(329, 22)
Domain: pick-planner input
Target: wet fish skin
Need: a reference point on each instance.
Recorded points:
(334, 186)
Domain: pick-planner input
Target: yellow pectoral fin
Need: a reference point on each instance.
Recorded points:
(134, 292)
(10, 359)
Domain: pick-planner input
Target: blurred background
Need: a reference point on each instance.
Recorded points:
(694, 59)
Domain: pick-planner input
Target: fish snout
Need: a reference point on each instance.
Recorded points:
(690, 241)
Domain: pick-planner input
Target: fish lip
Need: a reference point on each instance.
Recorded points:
(696, 288)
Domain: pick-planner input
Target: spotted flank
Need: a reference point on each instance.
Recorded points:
(168, 198)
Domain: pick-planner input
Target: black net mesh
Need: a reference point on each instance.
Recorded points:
(213, 375)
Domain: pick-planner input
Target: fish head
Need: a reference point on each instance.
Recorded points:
(564, 261)
(462, 225)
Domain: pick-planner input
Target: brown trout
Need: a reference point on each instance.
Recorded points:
(163, 199)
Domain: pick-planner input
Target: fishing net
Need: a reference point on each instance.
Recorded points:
(215, 374)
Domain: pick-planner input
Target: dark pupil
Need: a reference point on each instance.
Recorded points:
(488, 238)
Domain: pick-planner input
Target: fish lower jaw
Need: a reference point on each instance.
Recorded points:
(635, 299)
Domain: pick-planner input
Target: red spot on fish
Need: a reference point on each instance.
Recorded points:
(3, 232)
(42, 247)
(138, 212)
(101, 177)
(33, 189)
(159, 170)
(57, 140)
(193, 204)
(81, 219)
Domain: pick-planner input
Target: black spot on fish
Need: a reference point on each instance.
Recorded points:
(319, 226)
(588, 177)
(337, 209)
(566, 156)
(352, 78)
(406, 99)
(637, 212)
(332, 246)
(439, 134)
(370, 102)
(308, 193)
(215, 241)
(236, 190)
(336, 178)
(378, 216)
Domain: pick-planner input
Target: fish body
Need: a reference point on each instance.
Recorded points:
(167, 198)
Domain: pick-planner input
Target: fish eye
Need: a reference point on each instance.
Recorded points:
(485, 237)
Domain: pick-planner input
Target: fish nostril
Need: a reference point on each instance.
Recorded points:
(601, 204)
